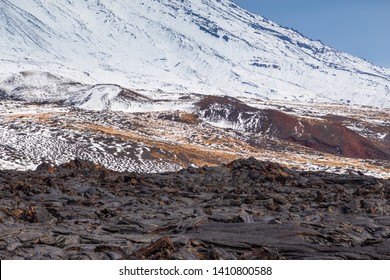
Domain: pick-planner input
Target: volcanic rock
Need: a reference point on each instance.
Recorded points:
(246, 209)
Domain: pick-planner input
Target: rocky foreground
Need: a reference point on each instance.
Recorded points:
(244, 210)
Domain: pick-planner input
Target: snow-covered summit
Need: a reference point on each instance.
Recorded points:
(190, 46)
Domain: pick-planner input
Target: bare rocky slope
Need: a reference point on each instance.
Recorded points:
(325, 135)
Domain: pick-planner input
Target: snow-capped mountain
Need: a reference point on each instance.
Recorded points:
(186, 46)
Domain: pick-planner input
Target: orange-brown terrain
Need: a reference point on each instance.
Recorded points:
(215, 130)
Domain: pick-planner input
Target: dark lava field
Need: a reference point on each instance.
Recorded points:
(247, 209)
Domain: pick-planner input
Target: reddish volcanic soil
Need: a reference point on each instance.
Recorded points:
(319, 134)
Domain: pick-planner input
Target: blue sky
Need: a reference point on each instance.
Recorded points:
(358, 27)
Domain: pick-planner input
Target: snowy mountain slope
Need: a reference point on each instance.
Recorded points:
(44, 87)
(202, 46)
